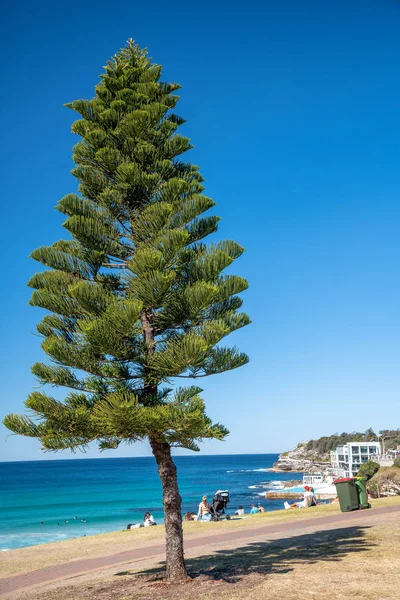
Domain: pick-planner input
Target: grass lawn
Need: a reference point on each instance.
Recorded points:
(357, 561)
(45, 555)
(361, 562)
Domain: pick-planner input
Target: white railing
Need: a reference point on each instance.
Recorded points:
(385, 456)
(312, 479)
(336, 472)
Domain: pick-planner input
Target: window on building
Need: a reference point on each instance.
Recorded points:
(364, 450)
(372, 449)
(355, 449)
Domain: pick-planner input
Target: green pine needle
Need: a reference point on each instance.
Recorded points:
(136, 297)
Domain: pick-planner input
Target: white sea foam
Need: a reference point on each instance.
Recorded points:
(259, 487)
(248, 471)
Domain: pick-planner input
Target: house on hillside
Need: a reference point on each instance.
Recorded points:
(348, 458)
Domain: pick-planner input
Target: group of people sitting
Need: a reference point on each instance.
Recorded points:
(203, 514)
(308, 500)
(148, 521)
(253, 510)
(204, 511)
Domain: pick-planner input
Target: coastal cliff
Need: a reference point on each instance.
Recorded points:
(313, 455)
(301, 459)
(386, 482)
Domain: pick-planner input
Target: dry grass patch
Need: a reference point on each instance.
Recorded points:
(46, 555)
(356, 561)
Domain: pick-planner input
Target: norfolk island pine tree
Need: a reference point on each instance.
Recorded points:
(135, 299)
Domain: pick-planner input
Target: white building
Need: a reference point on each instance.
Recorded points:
(348, 458)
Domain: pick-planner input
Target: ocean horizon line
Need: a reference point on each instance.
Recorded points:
(194, 454)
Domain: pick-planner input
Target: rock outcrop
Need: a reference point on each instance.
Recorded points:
(386, 482)
(300, 459)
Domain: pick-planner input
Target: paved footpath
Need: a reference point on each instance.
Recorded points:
(32, 579)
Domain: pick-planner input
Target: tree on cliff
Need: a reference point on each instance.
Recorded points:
(136, 299)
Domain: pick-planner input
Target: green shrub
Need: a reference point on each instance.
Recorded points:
(368, 469)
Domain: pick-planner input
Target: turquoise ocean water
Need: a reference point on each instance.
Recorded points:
(51, 500)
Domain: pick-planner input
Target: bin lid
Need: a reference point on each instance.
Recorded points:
(343, 480)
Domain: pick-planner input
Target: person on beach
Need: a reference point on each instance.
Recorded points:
(240, 511)
(309, 500)
(253, 510)
(204, 512)
(260, 509)
(148, 521)
(313, 499)
(188, 517)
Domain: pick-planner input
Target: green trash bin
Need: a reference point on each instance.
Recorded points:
(362, 492)
(347, 493)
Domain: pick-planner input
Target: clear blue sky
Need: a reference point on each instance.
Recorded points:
(293, 108)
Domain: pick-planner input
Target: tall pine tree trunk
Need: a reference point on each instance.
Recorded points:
(176, 570)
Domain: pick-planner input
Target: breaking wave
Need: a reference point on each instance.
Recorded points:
(248, 471)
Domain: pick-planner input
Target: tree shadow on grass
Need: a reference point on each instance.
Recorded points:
(275, 556)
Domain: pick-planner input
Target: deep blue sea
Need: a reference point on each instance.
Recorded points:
(51, 500)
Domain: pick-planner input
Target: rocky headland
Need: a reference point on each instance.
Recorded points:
(302, 459)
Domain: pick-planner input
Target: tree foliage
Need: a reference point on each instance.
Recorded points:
(135, 298)
(368, 469)
(326, 443)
